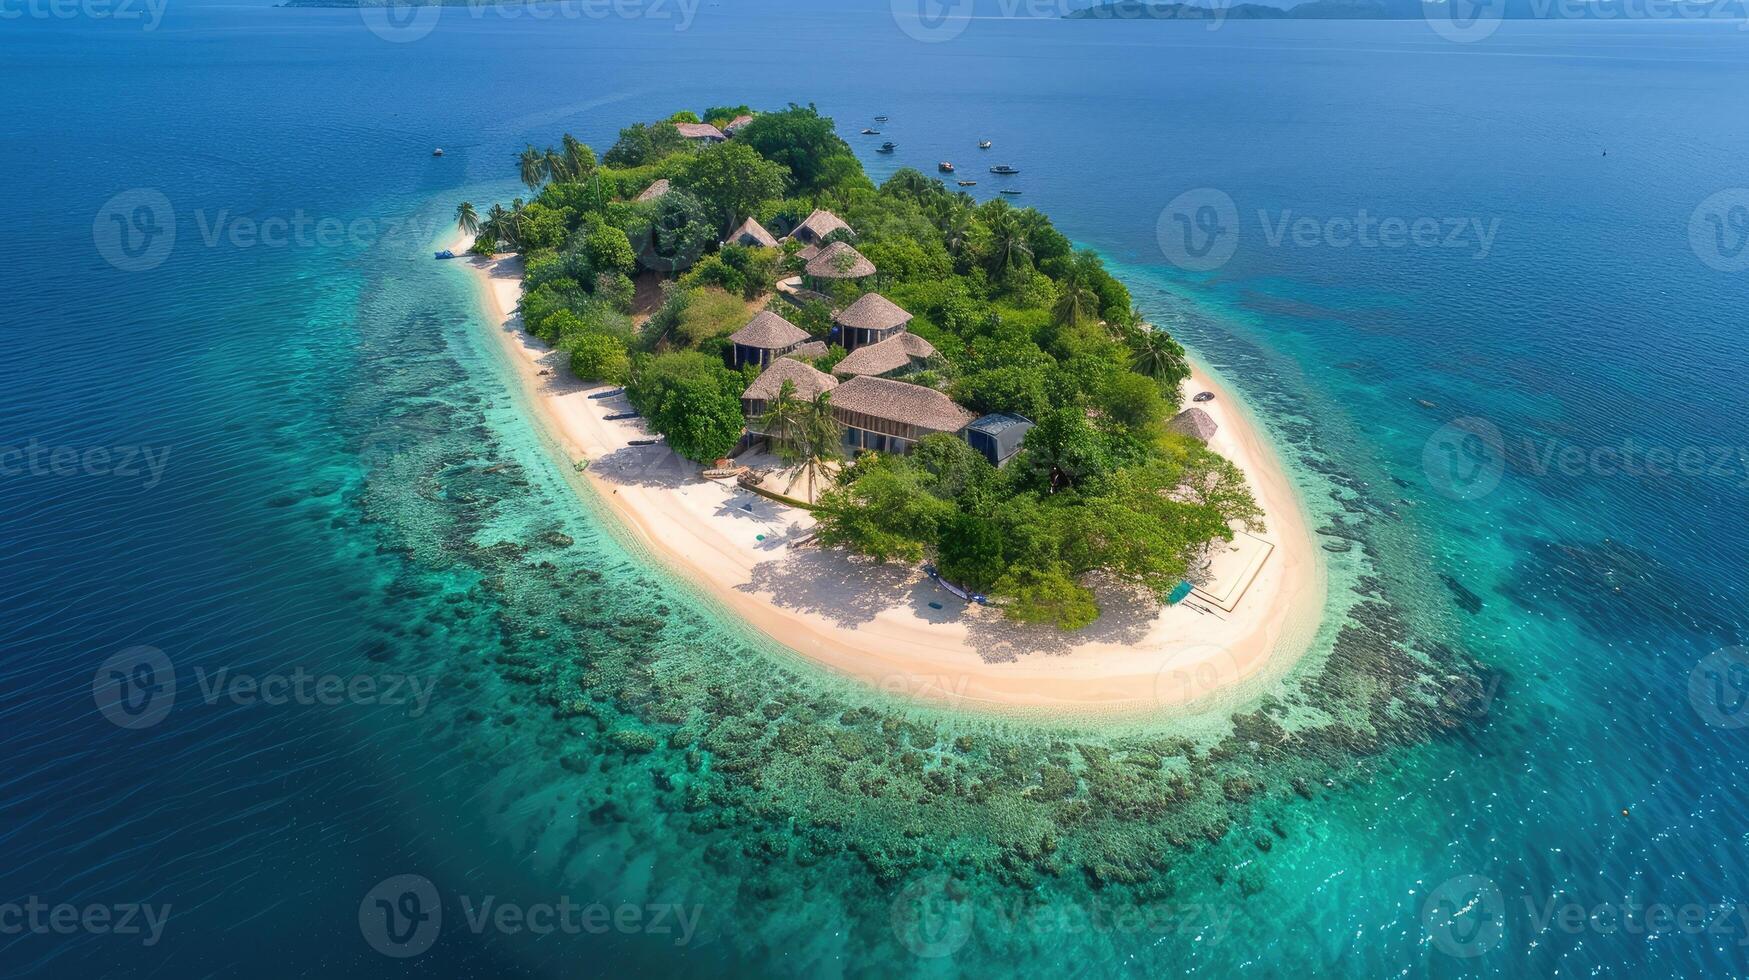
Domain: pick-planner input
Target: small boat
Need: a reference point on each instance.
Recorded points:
(871, 132)
(967, 183)
(1010, 191)
(887, 147)
(944, 167)
(437, 152)
(880, 119)
(1204, 396)
(983, 144)
(641, 442)
(621, 416)
(446, 254)
(1004, 169)
(609, 393)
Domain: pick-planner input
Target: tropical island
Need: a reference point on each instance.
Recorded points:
(903, 432)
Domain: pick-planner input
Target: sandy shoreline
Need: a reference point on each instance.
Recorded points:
(877, 623)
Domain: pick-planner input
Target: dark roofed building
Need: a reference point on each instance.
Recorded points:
(1193, 422)
(998, 436)
(766, 338)
(808, 382)
(870, 320)
(882, 415)
(898, 354)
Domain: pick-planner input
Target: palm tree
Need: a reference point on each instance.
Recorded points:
(784, 420)
(556, 167)
(1076, 299)
(579, 159)
(956, 227)
(467, 218)
(1008, 238)
(532, 164)
(1155, 354)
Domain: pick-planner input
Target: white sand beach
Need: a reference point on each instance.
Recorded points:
(880, 623)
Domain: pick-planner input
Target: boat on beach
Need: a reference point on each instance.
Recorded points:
(446, 254)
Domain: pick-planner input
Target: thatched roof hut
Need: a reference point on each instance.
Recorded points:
(811, 349)
(700, 131)
(753, 234)
(901, 352)
(734, 125)
(655, 190)
(839, 261)
(890, 416)
(818, 225)
(872, 311)
(1193, 422)
(765, 338)
(808, 382)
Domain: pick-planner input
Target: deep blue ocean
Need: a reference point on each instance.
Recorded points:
(1490, 298)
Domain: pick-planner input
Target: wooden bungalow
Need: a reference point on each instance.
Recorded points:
(883, 415)
(837, 262)
(1193, 422)
(700, 132)
(816, 226)
(736, 124)
(899, 354)
(870, 320)
(764, 339)
(752, 234)
(808, 382)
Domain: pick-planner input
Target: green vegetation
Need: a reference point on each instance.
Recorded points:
(1022, 321)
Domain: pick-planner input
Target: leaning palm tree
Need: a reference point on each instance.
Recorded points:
(555, 166)
(467, 218)
(1076, 298)
(532, 165)
(579, 159)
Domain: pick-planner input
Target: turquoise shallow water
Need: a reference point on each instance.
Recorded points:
(348, 486)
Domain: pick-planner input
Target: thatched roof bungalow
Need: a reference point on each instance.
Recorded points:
(1193, 422)
(765, 338)
(700, 132)
(883, 415)
(870, 320)
(899, 354)
(736, 124)
(816, 226)
(811, 349)
(808, 382)
(837, 262)
(752, 234)
(655, 190)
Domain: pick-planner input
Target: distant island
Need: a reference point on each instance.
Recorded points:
(1387, 10)
(907, 432)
